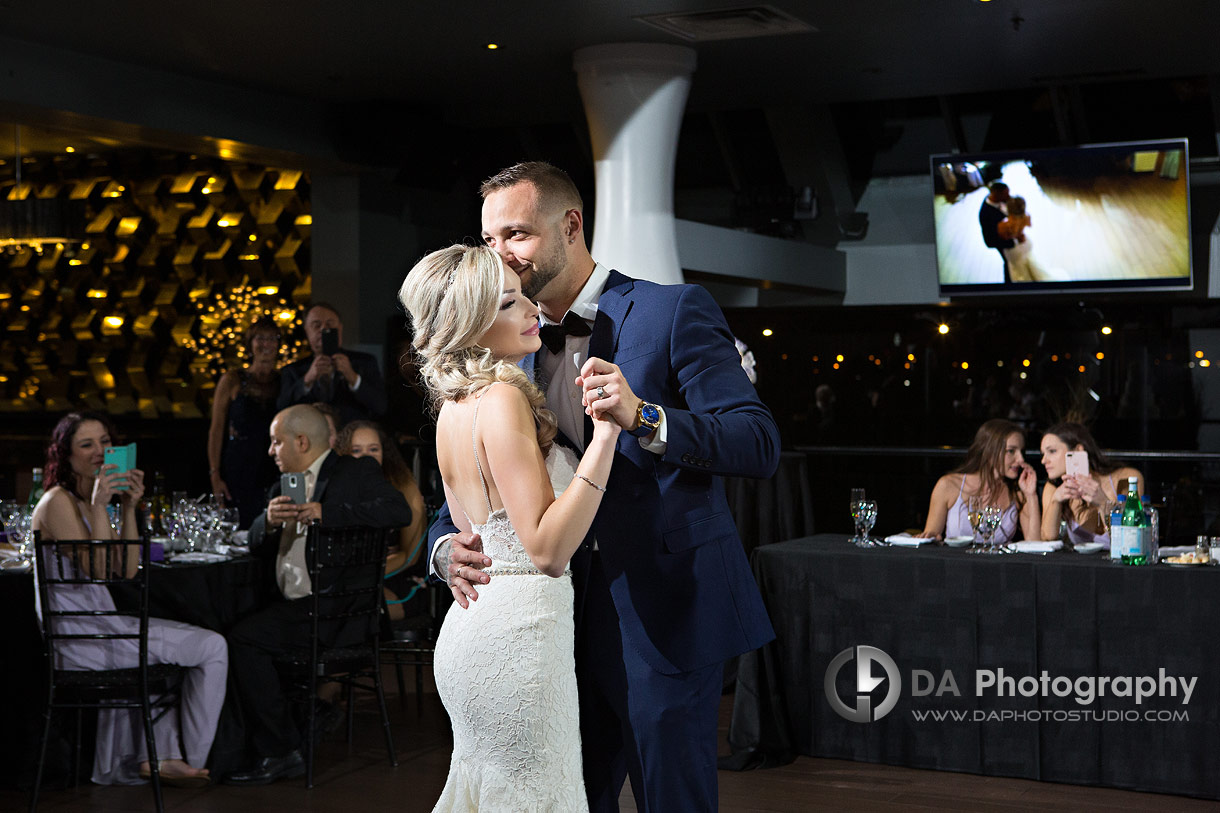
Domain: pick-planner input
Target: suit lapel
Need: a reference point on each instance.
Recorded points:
(324, 473)
(613, 306)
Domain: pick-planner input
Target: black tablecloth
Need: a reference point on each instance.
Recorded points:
(214, 596)
(939, 609)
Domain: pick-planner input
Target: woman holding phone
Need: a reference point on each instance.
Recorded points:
(1083, 493)
(80, 485)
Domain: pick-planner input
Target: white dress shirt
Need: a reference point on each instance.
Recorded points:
(557, 372)
(291, 569)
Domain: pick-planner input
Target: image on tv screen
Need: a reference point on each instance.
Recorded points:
(1110, 216)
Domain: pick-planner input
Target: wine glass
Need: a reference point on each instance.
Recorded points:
(230, 518)
(857, 497)
(17, 524)
(866, 516)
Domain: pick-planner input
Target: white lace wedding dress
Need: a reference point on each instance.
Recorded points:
(506, 672)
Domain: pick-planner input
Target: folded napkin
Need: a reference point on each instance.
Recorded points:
(233, 550)
(906, 540)
(1175, 551)
(1036, 546)
(199, 556)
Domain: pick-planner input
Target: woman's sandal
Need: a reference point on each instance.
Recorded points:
(178, 781)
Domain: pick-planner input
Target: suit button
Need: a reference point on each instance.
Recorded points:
(686, 458)
(707, 464)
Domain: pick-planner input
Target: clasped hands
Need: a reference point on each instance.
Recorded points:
(282, 510)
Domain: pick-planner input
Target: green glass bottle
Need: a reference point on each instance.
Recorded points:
(1135, 551)
(36, 489)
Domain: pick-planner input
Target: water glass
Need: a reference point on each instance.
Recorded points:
(857, 497)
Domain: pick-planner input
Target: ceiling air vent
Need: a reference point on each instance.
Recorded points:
(728, 23)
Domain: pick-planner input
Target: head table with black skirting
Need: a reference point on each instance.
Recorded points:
(1060, 667)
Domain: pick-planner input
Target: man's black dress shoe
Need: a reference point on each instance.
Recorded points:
(269, 769)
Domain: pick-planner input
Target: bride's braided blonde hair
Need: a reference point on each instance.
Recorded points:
(452, 297)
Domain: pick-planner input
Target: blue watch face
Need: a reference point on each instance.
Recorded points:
(650, 414)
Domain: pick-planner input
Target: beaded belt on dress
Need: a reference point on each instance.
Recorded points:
(517, 570)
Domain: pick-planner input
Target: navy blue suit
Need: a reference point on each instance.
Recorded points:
(669, 595)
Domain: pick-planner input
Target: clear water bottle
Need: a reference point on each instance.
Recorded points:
(1118, 536)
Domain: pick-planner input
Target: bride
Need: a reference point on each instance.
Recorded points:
(505, 667)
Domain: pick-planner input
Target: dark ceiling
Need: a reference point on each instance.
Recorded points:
(435, 53)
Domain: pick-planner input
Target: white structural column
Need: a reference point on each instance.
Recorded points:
(634, 95)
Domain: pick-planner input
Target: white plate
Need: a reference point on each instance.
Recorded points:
(1089, 547)
(958, 541)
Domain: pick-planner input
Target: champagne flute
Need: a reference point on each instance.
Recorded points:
(991, 517)
(974, 512)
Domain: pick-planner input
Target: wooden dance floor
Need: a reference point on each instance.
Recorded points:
(363, 781)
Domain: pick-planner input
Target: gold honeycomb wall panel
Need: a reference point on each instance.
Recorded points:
(117, 321)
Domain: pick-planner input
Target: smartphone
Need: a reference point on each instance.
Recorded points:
(292, 485)
(123, 458)
(1078, 463)
(330, 341)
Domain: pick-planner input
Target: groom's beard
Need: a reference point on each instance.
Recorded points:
(542, 271)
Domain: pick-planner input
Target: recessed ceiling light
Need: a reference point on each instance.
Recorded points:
(491, 46)
(69, 149)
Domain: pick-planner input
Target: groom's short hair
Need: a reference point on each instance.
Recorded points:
(555, 187)
(999, 186)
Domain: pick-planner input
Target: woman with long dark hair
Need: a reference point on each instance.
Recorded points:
(1084, 502)
(80, 486)
(402, 577)
(995, 470)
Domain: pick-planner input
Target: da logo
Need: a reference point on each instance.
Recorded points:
(865, 657)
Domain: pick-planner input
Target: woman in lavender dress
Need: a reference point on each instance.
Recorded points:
(995, 469)
(74, 507)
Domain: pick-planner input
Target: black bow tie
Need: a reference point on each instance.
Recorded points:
(553, 336)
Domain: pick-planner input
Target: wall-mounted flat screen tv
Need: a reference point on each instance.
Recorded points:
(1103, 217)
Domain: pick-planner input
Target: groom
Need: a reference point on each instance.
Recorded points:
(663, 593)
(990, 214)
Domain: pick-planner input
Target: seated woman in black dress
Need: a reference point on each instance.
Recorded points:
(242, 409)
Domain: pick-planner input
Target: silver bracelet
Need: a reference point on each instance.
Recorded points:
(602, 489)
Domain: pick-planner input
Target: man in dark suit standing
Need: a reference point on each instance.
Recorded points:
(348, 379)
(663, 592)
(990, 214)
(339, 491)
